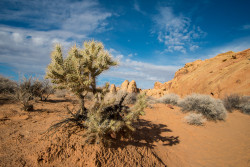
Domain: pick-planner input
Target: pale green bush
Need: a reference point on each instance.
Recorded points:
(210, 108)
(169, 99)
(237, 102)
(195, 119)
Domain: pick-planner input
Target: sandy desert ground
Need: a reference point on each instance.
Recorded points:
(163, 139)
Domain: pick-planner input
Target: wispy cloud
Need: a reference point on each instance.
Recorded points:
(79, 16)
(236, 45)
(145, 74)
(138, 8)
(176, 32)
(45, 23)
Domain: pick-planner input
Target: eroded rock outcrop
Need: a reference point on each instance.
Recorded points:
(124, 85)
(127, 86)
(226, 73)
(132, 88)
(112, 88)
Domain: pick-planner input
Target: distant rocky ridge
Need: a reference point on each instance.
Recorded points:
(127, 86)
(227, 73)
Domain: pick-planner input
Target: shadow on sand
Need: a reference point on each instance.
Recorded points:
(148, 133)
(58, 100)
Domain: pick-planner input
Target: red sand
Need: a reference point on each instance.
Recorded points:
(162, 139)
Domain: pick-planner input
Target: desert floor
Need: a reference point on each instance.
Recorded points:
(163, 139)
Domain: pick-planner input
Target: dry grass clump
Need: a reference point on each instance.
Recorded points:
(169, 99)
(195, 119)
(237, 102)
(210, 108)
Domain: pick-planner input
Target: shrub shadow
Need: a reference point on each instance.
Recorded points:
(42, 110)
(6, 101)
(148, 133)
(58, 100)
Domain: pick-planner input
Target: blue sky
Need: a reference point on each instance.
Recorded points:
(151, 39)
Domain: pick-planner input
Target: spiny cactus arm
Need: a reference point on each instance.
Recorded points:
(55, 70)
(138, 108)
(98, 60)
(104, 62)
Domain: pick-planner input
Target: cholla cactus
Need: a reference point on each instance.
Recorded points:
(79, 70)
(112, 120)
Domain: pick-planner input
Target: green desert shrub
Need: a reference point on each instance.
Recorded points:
(169, 99)
(195, 119)
(237, 102)
(210, 108)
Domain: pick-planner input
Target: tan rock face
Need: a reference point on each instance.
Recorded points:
(158, 85)
(112, 88)
(124, 85)
(132, 88)
(129, 87)
(157, 93)
(225, 74)
(117, 89)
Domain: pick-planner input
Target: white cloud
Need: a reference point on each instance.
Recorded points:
(17, 37)
(145, 74)
(193, 47)
(176, 32)
(236, 45)
(130, 55)
(48, 22)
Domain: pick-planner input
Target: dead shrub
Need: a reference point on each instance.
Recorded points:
(6, 85)
(24, 93)
(42, 89)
